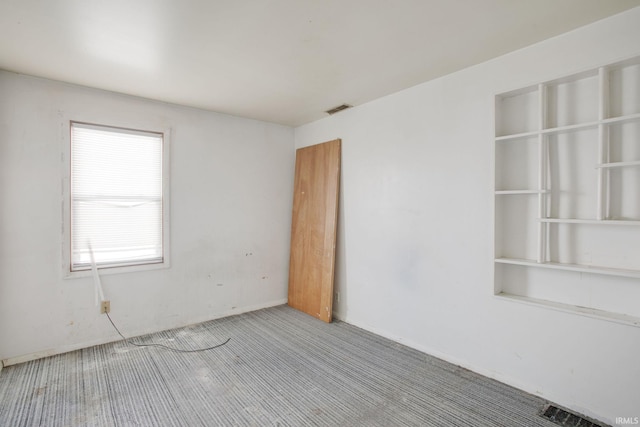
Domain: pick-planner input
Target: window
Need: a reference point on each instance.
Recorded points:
(117, 188)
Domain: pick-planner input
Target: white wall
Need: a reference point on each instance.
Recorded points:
(415, 243)
(231, 187)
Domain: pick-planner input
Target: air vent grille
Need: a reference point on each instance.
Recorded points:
(338, 108)
(565, 418)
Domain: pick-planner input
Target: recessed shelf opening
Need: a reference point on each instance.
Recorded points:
(567, 190)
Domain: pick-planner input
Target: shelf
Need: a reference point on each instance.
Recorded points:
(568, 308)
(621, 119)
(499, 192)
(549, 131)
(571, 267)
(518, 135)
(590, 221)
(618, 164)
(569, 128)
(568, 149)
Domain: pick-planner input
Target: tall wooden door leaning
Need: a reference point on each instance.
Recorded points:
(313, 229)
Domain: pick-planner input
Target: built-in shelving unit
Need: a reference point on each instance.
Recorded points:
(567, 190)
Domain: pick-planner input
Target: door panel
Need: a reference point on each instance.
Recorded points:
(313, 229)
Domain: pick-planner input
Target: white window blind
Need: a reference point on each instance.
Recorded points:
(116, 196)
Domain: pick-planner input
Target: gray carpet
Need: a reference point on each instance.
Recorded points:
(281, 368)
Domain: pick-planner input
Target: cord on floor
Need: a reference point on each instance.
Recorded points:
(128, 341)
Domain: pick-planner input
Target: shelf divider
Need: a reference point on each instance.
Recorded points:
(603, 144)
(542, 173)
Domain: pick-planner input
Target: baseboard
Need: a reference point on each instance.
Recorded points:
(73, 347)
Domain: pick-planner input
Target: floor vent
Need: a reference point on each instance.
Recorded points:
(568, 419)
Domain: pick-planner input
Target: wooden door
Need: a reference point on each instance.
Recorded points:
(313, 229)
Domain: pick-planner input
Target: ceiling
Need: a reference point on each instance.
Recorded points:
(282, 61)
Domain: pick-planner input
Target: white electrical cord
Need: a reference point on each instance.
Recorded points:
(100, 297)
(96, 279)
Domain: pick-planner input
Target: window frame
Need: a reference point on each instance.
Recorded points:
(66, 130)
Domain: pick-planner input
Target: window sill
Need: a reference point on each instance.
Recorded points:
(116, 270)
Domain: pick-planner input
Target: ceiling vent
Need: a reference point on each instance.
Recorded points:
(338, 109)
